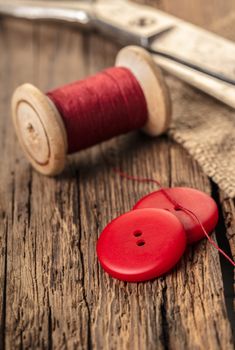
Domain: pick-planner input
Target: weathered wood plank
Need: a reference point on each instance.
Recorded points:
(37, 260)
(5, 196)
(9, 164)
(206, 290)
(20, 283)
(56, 293)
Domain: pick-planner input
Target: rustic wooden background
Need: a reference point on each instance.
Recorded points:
(53, 292)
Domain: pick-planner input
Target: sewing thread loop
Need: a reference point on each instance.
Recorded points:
(177, 206)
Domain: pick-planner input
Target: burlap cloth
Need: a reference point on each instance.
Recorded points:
(206, 128)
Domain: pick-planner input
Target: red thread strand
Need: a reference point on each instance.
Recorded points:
(177, 206)
(100, 107)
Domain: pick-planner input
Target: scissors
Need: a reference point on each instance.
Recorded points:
(196, 56)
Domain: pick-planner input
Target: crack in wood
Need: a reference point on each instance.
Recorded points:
(165, 324)
(4, 295)
(50, 336)
(89, 339)
(227, 269)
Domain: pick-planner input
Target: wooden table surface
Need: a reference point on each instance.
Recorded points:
(53, 292)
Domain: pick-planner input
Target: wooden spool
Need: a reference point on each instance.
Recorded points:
(40, 127)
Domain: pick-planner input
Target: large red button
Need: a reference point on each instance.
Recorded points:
(199, 202)
(141, 245)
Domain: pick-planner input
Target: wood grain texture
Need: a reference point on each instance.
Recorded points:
(54, 293)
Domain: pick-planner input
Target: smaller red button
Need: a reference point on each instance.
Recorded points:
(202, 205)
(141, 245)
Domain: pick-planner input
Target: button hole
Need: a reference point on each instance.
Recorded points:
(137, 233)
(140, 243)
(177, 208)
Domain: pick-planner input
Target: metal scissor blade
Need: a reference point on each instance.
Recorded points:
(117, 19)
(196, 56)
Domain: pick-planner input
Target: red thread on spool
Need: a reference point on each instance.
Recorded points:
(133, 95)
(100, 107)
(178, 206)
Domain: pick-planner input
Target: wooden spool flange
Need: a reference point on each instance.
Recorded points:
(152, 82)
(40, 128)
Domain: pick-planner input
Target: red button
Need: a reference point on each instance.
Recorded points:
(141, 245)
(199, 202)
